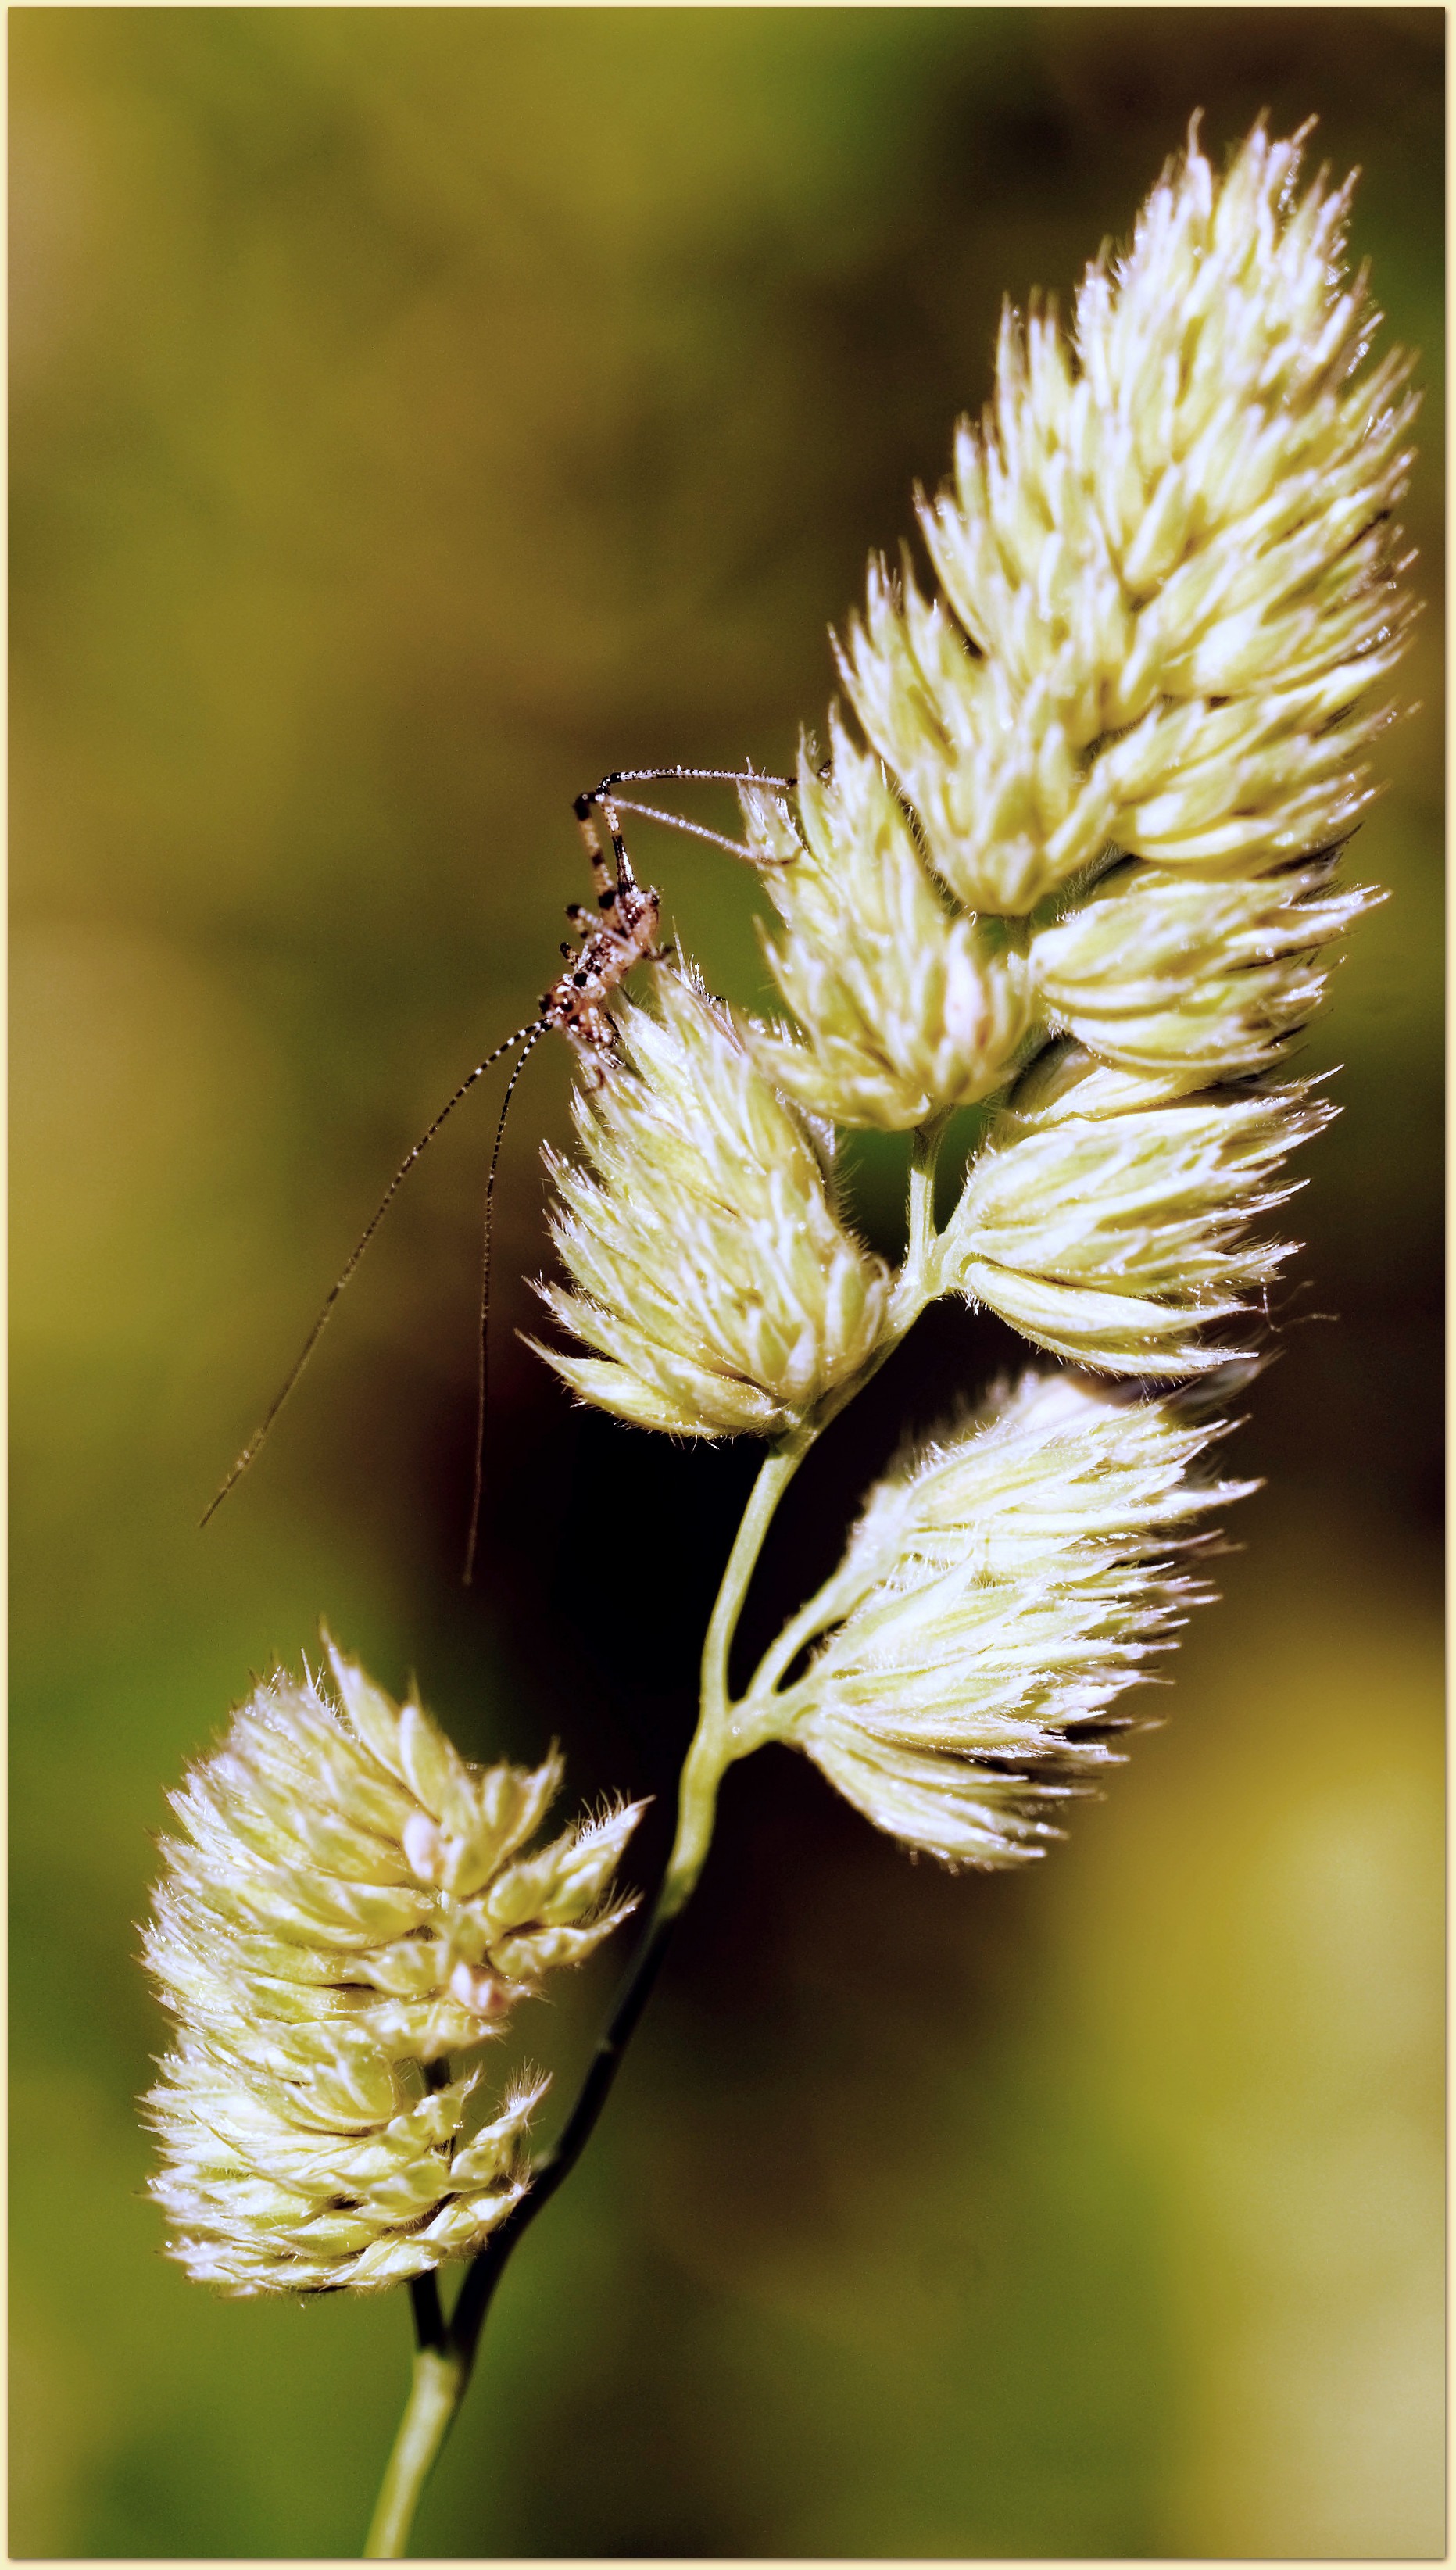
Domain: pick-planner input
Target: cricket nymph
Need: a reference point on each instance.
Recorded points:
(623, 934)
(575, 1005)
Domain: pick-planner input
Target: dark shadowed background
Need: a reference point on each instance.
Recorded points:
(415, 414)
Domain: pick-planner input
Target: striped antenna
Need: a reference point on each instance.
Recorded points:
(523, 1034)
(533, 1034)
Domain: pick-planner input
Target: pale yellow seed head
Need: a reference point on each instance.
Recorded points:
(1003, 1587)
(1168, 559)
(349, 1902)
(712, 1275)
(1109, 1221)
(907, 1006)
(1159, 968)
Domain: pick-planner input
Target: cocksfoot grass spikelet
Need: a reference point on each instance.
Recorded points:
(907, 1006)
(1168, 561)
(1156, 967)
(713, 1275)
(300, 2159)
(1003, 1587)
(349, 1903)
(1115, 1239)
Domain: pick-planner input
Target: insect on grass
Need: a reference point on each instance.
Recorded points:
(620, 934)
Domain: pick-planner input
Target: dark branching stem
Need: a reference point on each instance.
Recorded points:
(445, 2352)
(486, 2268)
(429, 2316)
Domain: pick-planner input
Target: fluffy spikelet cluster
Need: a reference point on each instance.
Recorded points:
(1112, 1224)
(907, 1006)
(1154, 969)
(713, 1275)
(1002, 1588)
(1168, 564)
(350, 1902)
(1115, 753)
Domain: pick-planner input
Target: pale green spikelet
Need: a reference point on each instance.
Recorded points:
(1169, 566)
(1157, 967)
(1113, 1236)
(350, 1901)
(298, 2158)
(907, 1006)
(712, 1273)
(1004, 1586)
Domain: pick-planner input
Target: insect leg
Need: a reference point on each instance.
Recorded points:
(626, 880)
(700, 775)
(600, 871)
(613, 804)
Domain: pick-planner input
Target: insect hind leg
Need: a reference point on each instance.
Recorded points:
(614, 804)
(600, 871)
(585, 808)
(687, 775)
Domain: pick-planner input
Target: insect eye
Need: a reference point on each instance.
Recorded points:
(578, 980)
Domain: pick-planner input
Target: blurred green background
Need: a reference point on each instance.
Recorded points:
(415, 414)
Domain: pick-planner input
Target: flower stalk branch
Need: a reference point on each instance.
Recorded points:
(725, 1732)
(444, 2361)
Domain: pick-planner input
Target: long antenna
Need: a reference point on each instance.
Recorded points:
(483, 1362)
(523, 1034)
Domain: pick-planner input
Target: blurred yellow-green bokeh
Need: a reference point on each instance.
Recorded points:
(416, 413)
